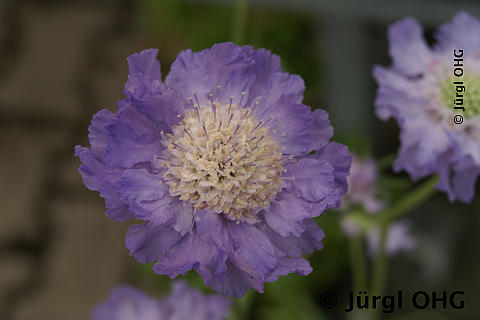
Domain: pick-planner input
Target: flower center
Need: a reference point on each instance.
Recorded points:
(470, 94)
(222, 159)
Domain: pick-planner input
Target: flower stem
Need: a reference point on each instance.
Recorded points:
(401, 207)
(386, 162)
(239, 21)
(380, 268)
(410, 201)
(358, 263)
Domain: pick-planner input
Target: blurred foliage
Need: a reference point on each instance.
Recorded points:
(173, 26)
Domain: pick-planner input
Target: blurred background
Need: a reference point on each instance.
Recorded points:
(61, 61)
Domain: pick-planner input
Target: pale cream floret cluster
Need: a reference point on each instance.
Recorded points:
(219, 157)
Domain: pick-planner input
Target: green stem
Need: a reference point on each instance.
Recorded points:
(410, 201)
(380, 268)
(239, 21)
(386, 161)
(358, 263)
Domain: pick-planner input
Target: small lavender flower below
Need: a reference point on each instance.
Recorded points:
(184, 303)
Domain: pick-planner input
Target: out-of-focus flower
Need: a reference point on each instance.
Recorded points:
(216, 160)
(362, 189)
(184, 303)
(362, 185)
(419, 91)
(398, 239)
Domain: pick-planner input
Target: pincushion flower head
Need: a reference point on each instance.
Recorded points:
(183, 303)
(421, 90)
(216, 160)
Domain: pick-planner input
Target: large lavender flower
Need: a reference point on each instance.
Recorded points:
(216, 161)
(184, 303)
(419, 91)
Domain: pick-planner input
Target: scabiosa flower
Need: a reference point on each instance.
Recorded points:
(184, 303)
(216, 160)
(418, 91)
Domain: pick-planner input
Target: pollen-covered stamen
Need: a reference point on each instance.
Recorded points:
(233, 169)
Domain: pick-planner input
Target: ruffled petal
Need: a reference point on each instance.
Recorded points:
(286, 215)
(340, 158)
(313, 180)
(149, 244)
(192, 252)
(97, 176)
(461, 33)
(132, 139)
(150, 200)
(464, 183)
(98, 133)
(322, 131)
(223, 70)
(408, 48)
(145, 63)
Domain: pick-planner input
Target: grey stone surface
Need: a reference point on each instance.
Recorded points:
(86, 259)
(54, 42)
(24, 155)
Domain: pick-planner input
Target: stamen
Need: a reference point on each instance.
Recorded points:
(179, 147)
(261, 121)
(186, 131)
(231, 116)
(230, 104)
(196, 98)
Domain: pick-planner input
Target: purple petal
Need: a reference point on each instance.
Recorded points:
(201, 72)
(313, 179)
(97, 176)
(149, 244)
(192, 252)
(286, 215)
(464, 183)
(341, 160)
(186, 303)
(322, 131)
(132, 139)
(150, 200)
(408, 48)
(145, 63)
(97, 131)
(461, 33)
(127, 303)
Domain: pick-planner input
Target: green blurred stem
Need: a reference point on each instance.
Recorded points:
(380, 269)
(239, 21)
(400, 208)
(386, 162)
(407, 203)
(358, 263)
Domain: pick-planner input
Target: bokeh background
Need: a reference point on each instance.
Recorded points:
(61, 61)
